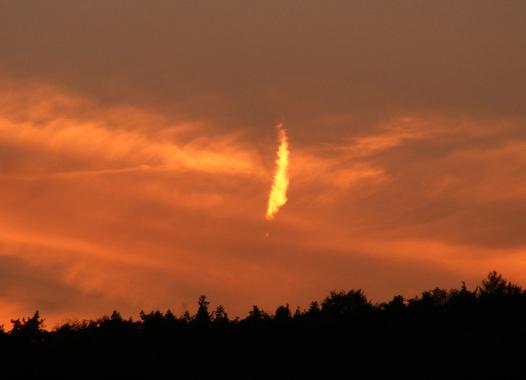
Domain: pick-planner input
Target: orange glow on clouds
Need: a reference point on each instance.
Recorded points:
(109, 206)
(278, 192)
(135, 171)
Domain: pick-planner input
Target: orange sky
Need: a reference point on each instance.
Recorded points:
(138, 142)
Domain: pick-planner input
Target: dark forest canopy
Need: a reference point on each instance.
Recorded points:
(480, 331)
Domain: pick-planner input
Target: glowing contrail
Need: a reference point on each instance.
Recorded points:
(278, 192)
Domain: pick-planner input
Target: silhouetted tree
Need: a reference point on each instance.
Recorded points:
(31, 328)
(462, 299)
(430, 300)
(220, 316)
(256, 316)
(495, 284)
(202, 316)
(170, 316)
(344, 304)
(314, 310)
(186, 317)
(396, 305)
(282, 314)
(478, 330)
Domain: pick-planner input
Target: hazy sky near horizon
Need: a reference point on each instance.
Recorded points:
(137, 148)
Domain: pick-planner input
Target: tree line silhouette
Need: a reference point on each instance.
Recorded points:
(457, 333)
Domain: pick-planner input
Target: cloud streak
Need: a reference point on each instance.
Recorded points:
(278, 192)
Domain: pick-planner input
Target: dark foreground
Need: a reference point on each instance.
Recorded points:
(446, 334)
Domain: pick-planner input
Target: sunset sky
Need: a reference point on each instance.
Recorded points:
(138, 148)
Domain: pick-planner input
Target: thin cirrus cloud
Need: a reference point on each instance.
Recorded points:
(186, 217)
(43, 127)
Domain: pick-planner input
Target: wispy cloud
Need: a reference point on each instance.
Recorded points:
(135, 210)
